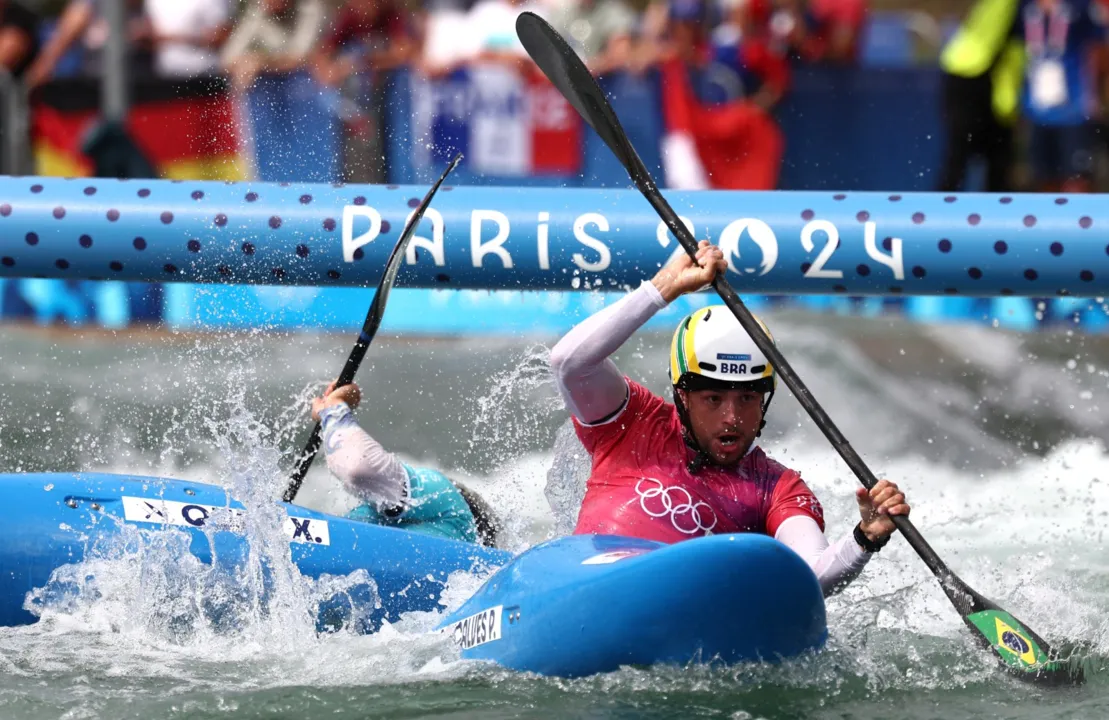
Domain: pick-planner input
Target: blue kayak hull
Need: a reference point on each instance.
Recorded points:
(588, 604)
(570, 607)
(57, 519)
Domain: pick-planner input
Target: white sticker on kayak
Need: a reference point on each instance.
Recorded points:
(478, 629)
(171, 512)
(308, 530)
(611, 557)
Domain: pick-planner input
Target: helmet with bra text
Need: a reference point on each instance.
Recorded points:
(711, 351)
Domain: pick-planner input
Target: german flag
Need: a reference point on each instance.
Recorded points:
(186, 128)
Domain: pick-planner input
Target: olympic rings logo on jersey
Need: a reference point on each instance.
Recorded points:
(694, 516)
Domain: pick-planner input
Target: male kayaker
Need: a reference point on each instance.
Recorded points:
(673, 471)
(393, 492)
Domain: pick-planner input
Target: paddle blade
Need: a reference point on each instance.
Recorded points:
(568, 73)
(1021, 652)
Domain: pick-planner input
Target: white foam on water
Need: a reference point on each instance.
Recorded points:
(1023, 537)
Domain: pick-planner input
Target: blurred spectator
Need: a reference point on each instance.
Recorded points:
(365, 35)
(445, 43)
(188, 35)
(600, 31)
(835, 27)
(981, 85)
(492, 24)
(273, 36)
(1064, 43)
(84, 20)
(738, 145)
(19, 37)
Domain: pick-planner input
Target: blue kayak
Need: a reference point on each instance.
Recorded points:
(55, 519)
(573, 606)
(593, 603)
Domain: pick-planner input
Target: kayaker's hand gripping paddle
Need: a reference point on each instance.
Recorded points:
(1020, 651)
(369, 328)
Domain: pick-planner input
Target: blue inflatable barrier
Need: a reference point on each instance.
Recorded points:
(797, 243)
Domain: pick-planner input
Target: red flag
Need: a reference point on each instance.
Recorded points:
(738, 144)
(556, 142)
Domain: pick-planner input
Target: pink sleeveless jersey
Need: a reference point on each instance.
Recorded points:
(640, 485)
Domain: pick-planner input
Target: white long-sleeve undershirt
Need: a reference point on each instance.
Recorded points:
(595, 391)
(365, 467)
(835, 565)
(592, 386)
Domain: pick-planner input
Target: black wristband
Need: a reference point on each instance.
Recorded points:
(865, 543)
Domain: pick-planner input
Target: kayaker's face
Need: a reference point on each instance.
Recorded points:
(724, 422)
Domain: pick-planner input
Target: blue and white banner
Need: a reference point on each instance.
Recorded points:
(506, 124)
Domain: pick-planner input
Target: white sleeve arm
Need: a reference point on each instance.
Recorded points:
(360, 462)
(592, 386)
(835, 565)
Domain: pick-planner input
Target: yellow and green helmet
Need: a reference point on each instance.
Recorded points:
(711, 349)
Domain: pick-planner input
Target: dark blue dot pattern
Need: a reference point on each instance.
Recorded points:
(919, 244)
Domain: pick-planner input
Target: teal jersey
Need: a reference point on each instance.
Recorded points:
(435, 507)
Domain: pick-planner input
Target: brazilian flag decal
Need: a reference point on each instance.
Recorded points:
(1011, 641)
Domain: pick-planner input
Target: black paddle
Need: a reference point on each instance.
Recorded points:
(369, 329)
(1020, 650)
